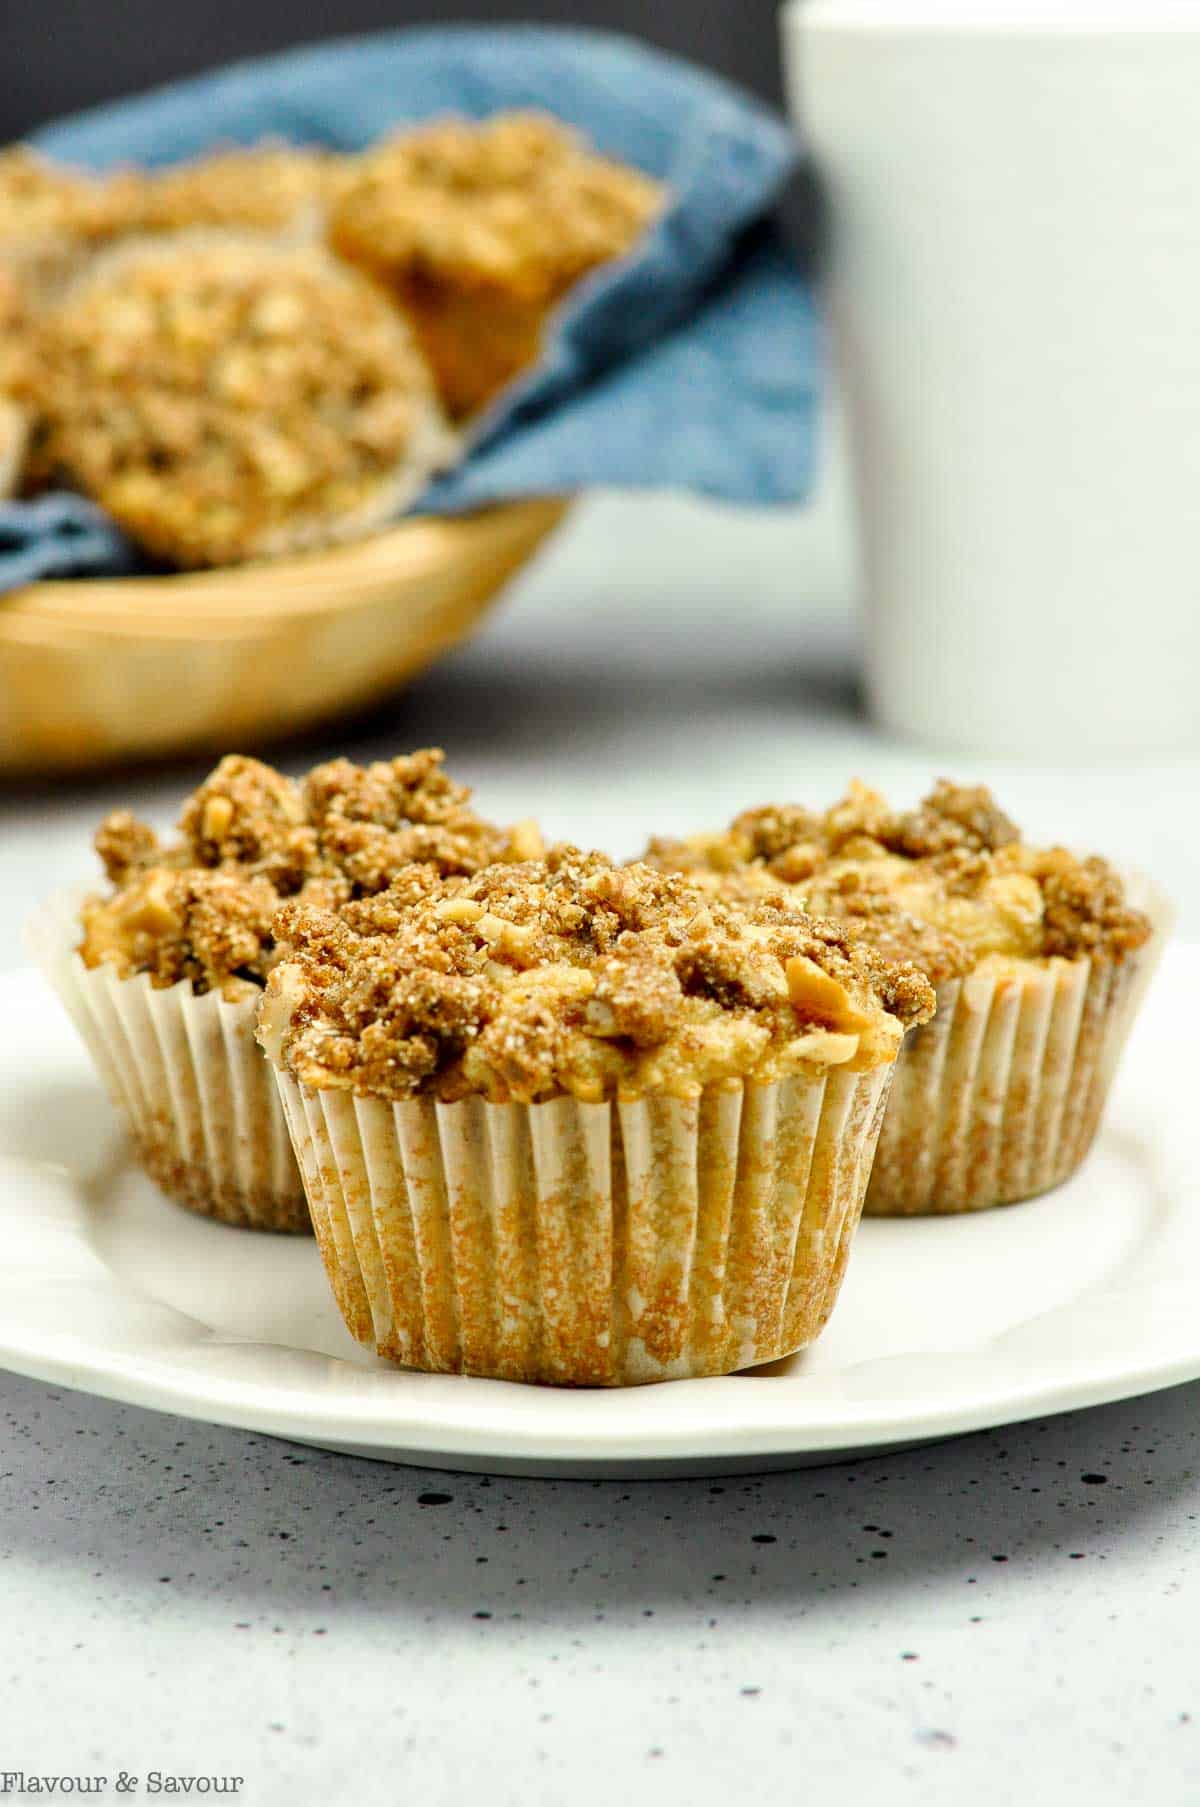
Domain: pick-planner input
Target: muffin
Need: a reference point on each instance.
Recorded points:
(479, 230)
(573, 1123)
(228, 399)
(163, 974)
(1038, 957)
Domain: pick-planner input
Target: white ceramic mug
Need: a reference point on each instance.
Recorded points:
(1013, 276)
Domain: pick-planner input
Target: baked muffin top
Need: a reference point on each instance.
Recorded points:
(572, 975)
(515, 204)
(228, 398)
(201, 907)
(945, 885)
(266, 187)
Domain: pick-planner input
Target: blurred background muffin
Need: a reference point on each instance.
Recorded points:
(479, 229)
(227, 399)
(178, 346)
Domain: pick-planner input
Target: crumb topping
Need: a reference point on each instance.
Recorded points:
(478, 229)
(515, 202)
(570, 974)
(225, 398)
(200, 907)
(944, 885)
(265, 187)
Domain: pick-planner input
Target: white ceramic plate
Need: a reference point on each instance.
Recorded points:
(1084, 1296)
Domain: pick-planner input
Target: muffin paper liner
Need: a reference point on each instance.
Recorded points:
(1000, 1095)
(589, 1244)
(187, 1077)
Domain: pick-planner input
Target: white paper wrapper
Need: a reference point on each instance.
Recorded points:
(188, 1078)
(589, 1244)
(999, 1097)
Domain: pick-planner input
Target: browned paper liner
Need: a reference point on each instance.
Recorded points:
(999, 1097)
(589, 1244)
(188, 1078)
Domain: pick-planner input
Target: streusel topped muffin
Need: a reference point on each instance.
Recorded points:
(1038, 956)
(568, 1122)
(164, 973)
(227, 399)
(479, 228)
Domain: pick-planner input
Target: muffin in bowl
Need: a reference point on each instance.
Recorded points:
(162, 974)
(226, 399)
(1039, 957)
(479, 229)
(567, 1122)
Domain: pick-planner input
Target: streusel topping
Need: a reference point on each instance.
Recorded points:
(945, 885)
(515, 202)
(225, 398)
(572, 975)
(201, 907)
(267, 187)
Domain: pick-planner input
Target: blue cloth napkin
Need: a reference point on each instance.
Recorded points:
(693, 364)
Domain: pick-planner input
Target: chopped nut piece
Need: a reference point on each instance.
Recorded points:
(458, 909)
(525, 841)
(218, 814)
(816, 995)
(149, 908)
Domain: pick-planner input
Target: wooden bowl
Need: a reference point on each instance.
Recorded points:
(103, 670)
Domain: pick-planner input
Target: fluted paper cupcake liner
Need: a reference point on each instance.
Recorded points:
(589, 1244)
(999, 1097)
(187, 1077)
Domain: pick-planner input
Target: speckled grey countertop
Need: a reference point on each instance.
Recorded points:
(1009, 1617)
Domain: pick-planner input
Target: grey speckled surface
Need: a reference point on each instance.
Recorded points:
(1011, 1616)
(976, 1622)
